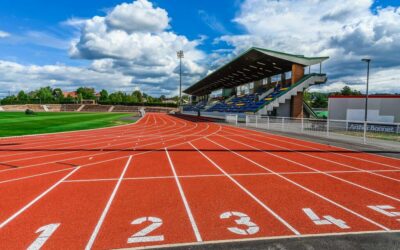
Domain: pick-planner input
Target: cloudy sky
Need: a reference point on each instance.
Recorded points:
(129, 45)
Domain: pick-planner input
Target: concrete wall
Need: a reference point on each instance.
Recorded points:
(284, 109)
(379, 109)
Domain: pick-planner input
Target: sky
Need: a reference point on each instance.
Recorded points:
(131, 45)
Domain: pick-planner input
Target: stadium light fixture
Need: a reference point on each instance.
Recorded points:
(180, 55)
(368, 61)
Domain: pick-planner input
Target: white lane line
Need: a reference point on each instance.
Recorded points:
(12, 217)
(188, 211)
(318, 171)
(290, 227)
(215, 175)
(322, 151)
(317, 157)
(108, 205)
(104, 153)
(217, 243)
(302, 187)
(35, 175)
(315, 143)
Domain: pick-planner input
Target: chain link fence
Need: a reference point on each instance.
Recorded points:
(365, 132)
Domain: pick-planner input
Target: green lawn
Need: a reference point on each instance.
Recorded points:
(17, 123)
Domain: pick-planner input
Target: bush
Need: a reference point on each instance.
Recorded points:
(29, 112)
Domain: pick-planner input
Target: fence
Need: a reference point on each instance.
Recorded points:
(369, 132)
(231, 119)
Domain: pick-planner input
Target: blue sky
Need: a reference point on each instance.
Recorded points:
(61, 43)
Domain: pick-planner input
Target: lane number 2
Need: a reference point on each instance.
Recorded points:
(243, 219)
(327, 219)
(45, 233)
(142, 235)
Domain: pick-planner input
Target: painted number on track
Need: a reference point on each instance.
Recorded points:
(327, 219)
(142, 235)
(243, 219)
(383, 209)
(45, 233)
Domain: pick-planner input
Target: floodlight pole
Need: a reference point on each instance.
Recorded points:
(368, 61)
(180, 56)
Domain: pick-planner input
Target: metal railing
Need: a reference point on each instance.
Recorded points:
(356, 131)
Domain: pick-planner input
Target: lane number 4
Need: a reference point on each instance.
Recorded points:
(326, 219)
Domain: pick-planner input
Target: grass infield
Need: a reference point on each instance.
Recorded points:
(18, 123)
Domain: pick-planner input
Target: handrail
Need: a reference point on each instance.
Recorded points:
(303, 79)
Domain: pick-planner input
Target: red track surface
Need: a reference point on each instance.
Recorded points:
(168, 180)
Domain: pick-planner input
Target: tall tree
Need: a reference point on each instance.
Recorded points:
(22, 96)
(57, 93)
(45, 94)
(87, 93)
(103, 95)
(138, 95)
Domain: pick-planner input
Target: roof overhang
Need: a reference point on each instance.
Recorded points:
(252, 65)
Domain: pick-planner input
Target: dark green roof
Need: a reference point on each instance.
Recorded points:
(252, 65)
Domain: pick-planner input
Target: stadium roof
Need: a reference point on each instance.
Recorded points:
(252, 65)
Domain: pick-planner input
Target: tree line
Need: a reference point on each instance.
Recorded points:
(48, 95)
(320, 100)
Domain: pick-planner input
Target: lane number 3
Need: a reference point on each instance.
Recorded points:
(243, 220)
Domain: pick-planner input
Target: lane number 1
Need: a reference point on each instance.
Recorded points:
(46, 232)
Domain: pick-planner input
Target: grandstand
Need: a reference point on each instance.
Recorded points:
(259, 81)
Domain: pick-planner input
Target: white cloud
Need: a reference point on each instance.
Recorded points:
(381, 81)
(131, 47)
(15, 76)
(139, 16)
(4, 34)
(344, 30)
(133, 39)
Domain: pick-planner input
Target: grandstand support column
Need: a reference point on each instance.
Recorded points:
(297, 101)
(257, 85)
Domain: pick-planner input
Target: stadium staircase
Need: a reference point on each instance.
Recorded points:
(80, 108)
(307, 108)
(276, 98)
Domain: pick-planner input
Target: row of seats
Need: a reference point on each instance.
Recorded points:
(199, 106)
(247, 103)
(70, 107)
(95, 108)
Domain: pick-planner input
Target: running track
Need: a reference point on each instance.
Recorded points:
(172, 180)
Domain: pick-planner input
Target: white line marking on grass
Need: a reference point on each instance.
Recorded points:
(107, 208)
(4, 223)
(189, 212)
(290, 227)
(302, 187)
